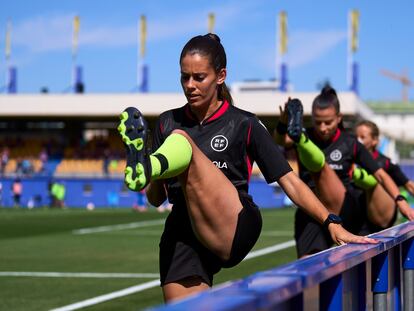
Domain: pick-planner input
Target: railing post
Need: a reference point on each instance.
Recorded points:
(362, 281)
(408, 266)
(396, 269)
(330, 294)
(379, 280)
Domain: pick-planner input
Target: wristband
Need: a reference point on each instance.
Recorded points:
(281, 128)
(400, 197)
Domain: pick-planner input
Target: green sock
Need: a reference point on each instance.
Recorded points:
(171, 158)
(363, 180)
(310, 155)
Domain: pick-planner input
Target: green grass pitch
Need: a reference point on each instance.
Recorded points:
(44, 240)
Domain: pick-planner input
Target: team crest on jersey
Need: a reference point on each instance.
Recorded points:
(336, 155)
(219, 143)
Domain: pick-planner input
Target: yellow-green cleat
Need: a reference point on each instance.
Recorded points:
(134, 133)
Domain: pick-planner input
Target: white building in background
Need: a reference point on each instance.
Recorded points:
(255, 86)
(262, 103)
(261, 98)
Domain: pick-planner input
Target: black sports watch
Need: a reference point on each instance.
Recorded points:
(400, 197)
(332, 218)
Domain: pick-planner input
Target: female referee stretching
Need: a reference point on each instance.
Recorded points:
(368, 134)
(203, 159)
(326, 155)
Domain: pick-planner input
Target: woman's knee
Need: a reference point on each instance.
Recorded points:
(183, 133)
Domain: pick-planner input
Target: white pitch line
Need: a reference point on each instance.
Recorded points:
(270, 249)
(132, 225)
(156, 232)
(151, 284)
(110, 296)
(80, 275)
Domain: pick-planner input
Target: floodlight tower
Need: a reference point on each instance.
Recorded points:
(77, 72)
(353, 66)
(142, 76)
(11, 76)
(281, 64)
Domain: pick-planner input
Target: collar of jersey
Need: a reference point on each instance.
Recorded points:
(215, 115)
(375, 154)
(333, 139)
(336, 136)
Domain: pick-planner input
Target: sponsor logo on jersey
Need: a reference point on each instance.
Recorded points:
(220, 165)
(336, 167)
(219, 143)
(336, 155)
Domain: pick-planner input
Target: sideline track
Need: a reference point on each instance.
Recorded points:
(155, 283)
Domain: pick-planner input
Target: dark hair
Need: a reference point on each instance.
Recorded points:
(371, 125)
(327, 98)
(209, 46)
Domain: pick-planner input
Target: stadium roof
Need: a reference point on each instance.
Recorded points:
(152, 104)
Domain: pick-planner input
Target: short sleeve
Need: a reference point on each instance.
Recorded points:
(364, 158)
(396, 174)
(266, 153)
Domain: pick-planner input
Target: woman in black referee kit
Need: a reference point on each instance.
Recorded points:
(327, 155)
(202, 159)
(368, 134)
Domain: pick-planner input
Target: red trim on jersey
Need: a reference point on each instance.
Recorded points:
(249, 168)
(248, 134)
(162, 128)
(217, 114)
(248, 161)
(355, 149)
(387, 164)
(351, 171)
(375, 154)
(336, 136)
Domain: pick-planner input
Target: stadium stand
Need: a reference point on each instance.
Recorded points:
(73, 137)
(79, 168)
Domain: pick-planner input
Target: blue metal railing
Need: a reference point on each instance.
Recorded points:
(351, 277)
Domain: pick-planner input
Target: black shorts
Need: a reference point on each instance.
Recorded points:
(182, 255)
(311, 237)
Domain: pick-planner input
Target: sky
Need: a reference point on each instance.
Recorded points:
(41, 42)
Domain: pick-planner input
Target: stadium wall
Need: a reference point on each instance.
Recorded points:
(109, 192)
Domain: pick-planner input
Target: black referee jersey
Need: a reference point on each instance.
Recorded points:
(341, 152)
(392, 169)
(233, 139)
